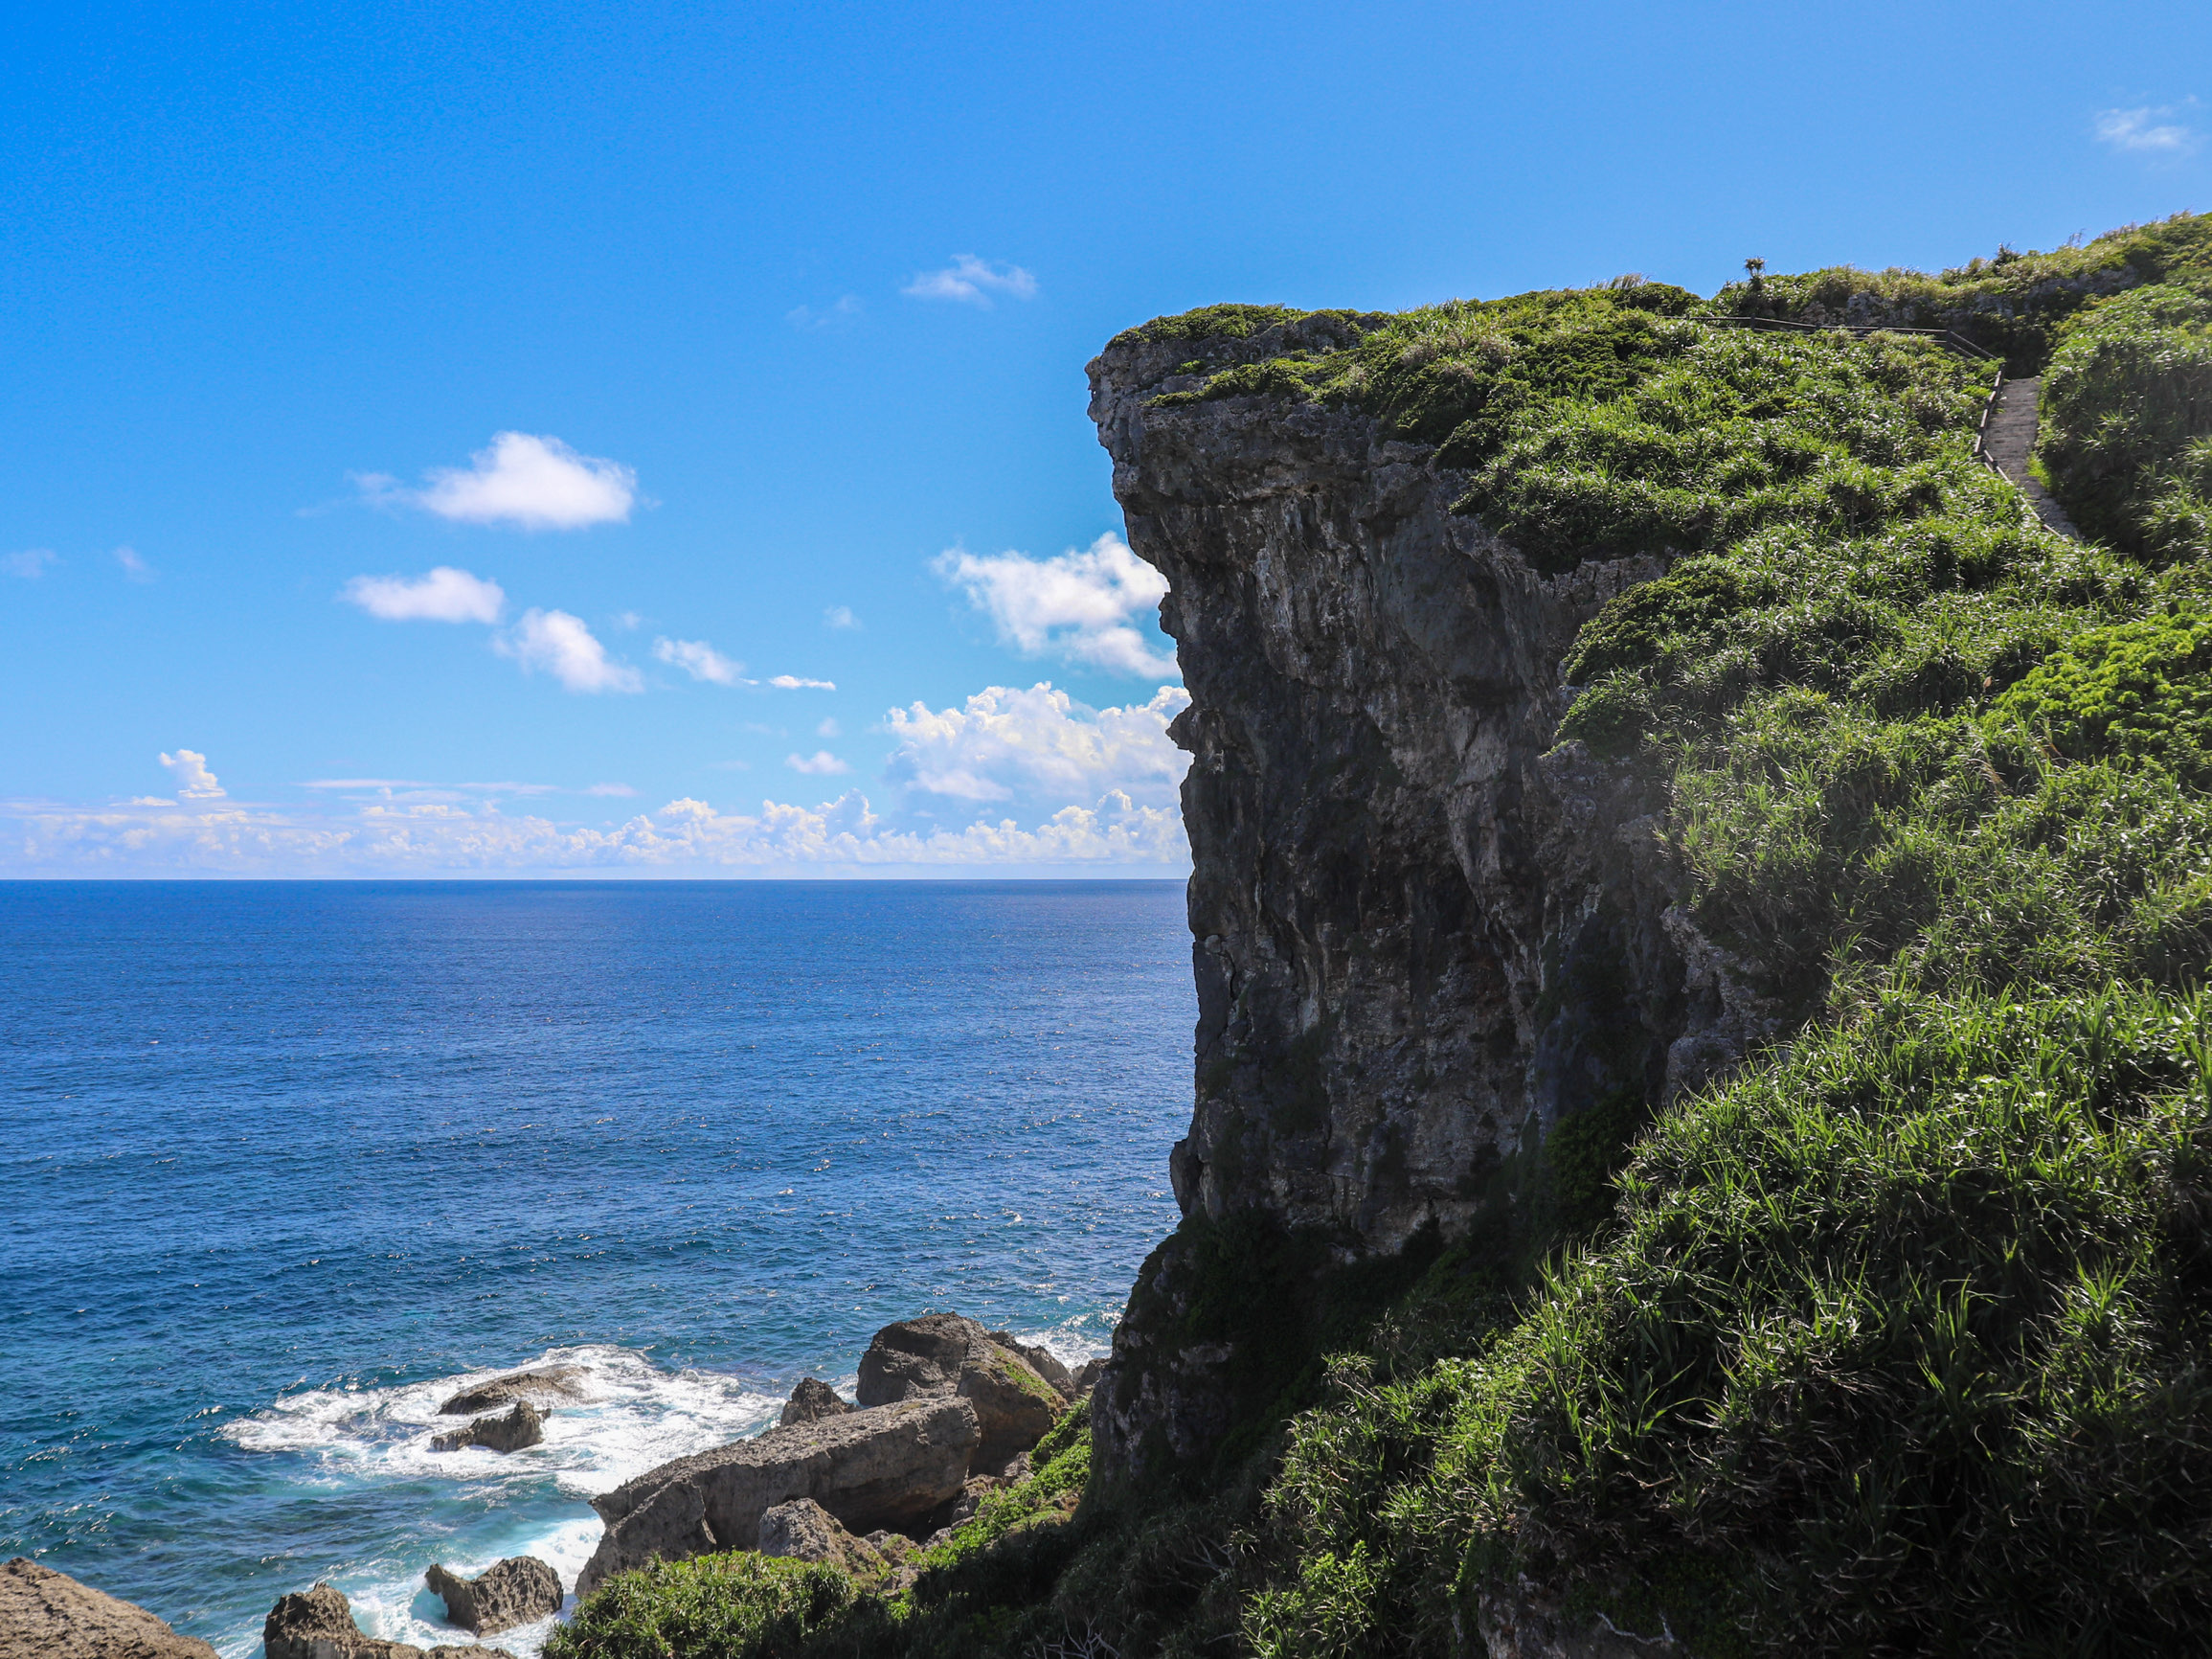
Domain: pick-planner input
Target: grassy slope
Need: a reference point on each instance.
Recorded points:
(1900, 1341)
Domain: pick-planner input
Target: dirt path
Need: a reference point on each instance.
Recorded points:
(2010, 436)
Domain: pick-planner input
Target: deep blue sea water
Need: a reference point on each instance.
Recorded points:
(282, 1162)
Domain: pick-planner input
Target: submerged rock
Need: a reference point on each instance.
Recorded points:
(522, 1426)
(49, 1615)
(520, 1590)
(943, 1353)
(812, 1401)
(891, 1467)
(546, 1382)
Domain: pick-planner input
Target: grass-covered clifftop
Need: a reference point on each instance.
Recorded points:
(1900, 1340)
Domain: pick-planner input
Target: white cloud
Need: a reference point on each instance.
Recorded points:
(194, 780)
(840, 616)
(133, 566)
(564, 647)
(446, 595)
(793, 683)
(1040, 743)
(1078, 604)
(30, 563)
(530, 482)
(617, 790)
(700, 660)
(822, 764)
(972, 282)
(829, 728)
(1111, 834)
(2147, 130)
(846, 307)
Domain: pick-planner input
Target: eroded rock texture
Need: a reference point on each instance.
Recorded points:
(1423, 935)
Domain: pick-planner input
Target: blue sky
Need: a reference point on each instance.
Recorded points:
(783, 312)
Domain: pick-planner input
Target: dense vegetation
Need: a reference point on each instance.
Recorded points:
(1899, 1342)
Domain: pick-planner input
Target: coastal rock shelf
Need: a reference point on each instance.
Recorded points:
(49, 1615)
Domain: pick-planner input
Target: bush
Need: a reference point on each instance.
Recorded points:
(2128, 393)
(740, 1605)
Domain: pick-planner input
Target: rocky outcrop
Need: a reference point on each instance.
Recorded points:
(318, 1624)
(49, 1615)
(520, 1590)
(812, 1401)
(546, 1382)
(522, 1426)
(945, 1354)
(1041, 1360)
(891, 1466)
(804, 1531)
(1423, 934)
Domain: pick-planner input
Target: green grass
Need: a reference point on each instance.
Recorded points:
(1900, 1340)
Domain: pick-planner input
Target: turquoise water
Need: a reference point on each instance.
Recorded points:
(286, 1161)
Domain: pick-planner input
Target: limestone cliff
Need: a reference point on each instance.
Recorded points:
(1424, 935)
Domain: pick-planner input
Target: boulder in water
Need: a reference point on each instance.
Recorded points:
(546, 1382)
(318, 1624)
(49, 1615)
(520, 1590)
(522, 1426)
(812, 1401)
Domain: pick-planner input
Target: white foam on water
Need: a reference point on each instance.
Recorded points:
(631, 1416)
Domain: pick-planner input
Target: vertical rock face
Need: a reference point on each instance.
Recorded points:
(1423, 936)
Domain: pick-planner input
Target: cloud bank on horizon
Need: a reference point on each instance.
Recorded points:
(1020, 750)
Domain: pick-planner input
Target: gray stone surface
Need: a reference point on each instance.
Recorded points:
(812, 1401)
(509, 1432)
(546, 1382)
(2009, 440)
(943, 1353)
(804, 1531)
(520, 1590)
(318, 1624)
(49, 1615)
(889, 1467)
(1423, 935)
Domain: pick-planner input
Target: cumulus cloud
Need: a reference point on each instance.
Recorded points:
(1111, 834)
(194, 780)
(822, 764)
(31, 562)
(133, 566)
(1079, 605)
(972, 282)
(531, 481)
(2147, 130)
(700, 660)
(840, 616)
(561, 646)
(793, 683)
(1005, 744)
(446, 595)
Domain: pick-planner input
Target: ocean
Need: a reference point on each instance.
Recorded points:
(285, 1164)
